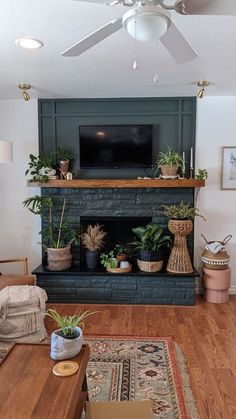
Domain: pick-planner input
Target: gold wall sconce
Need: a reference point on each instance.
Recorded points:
(24, 87)
(202, 84)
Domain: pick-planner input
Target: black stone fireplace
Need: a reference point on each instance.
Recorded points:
(119, 210)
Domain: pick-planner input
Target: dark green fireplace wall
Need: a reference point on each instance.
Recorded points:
(174, 120)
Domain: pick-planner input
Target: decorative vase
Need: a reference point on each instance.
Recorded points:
(59, 259)
(179, 261)
(92, 258)
(63, 348)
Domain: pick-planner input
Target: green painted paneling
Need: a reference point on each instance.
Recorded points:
(173, 120)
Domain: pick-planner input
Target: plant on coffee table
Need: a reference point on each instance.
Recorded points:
(66, 342)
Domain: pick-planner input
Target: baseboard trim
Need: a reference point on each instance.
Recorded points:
(232, 290)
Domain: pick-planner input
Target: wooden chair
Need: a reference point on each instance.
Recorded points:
(17, 279)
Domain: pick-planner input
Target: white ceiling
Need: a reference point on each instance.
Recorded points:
(106, 69)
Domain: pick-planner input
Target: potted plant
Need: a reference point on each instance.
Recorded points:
(149, 243)
(180, 224)
(93, 240)
(120, 251)
(202, 174)
(57, 233)
(169, 163)
(114, 265)
(40, 167)
(64, 156)
(66, 342)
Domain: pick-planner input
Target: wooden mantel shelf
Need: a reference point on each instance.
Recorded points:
(120, 183)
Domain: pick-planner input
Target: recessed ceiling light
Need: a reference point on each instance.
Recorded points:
(29, 43)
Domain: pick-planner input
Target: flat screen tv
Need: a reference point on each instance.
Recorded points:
(115, 146)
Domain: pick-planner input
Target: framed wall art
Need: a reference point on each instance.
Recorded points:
(228, 170)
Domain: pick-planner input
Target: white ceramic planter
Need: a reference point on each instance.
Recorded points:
(62, 348)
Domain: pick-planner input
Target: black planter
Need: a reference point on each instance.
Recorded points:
(92, 259)
(150, 255)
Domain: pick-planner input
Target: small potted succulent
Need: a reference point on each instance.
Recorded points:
(169, 163)
(149, 243)
(66, 342)
(202, 174)
(93, 240)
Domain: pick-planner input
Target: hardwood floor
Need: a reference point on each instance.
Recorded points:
(206, 333)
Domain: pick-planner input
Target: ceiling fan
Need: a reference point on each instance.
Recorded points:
(150, 20)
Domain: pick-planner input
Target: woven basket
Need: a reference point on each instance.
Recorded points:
(150, 266)
(59, 259)
(215, 261)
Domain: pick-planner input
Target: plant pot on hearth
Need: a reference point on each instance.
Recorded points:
(149, 243)
(93, 240)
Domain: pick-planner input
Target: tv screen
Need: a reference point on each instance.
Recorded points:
(115, 146)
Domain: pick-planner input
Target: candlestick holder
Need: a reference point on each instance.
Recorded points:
(191, 173)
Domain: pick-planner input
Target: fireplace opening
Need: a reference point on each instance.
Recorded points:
(118, 229)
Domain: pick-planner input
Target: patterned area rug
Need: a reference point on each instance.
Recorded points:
(139, 368)
(135, 368)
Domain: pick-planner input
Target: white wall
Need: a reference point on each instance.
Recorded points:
(216, 127)
(18, 227)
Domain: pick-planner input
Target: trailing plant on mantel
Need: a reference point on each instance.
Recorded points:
(56, 233)
(181, 211)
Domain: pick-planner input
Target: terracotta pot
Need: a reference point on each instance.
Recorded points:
(217, 283)
(169, 171)
(179, 261)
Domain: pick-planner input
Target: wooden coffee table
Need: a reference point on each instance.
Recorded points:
(29, 389)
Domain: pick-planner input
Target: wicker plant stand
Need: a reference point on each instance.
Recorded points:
(179, 261)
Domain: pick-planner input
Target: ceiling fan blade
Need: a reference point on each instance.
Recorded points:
(177, 45)
(93, 39)
(206, 7)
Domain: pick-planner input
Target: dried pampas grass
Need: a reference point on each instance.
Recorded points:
(93, 238)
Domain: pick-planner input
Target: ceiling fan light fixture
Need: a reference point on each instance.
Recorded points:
(147, 23)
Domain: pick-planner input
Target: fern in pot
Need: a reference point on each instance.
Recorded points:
(93, 240)
(149, 243)
(168, 163)
(67, 340)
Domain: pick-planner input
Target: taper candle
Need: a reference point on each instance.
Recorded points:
(184, 163)
(191, 158)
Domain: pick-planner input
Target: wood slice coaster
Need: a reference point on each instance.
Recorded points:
(65, 368)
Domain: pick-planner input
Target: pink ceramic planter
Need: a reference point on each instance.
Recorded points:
(217, 283)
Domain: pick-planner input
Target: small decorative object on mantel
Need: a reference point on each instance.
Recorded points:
(191, 170)
(64, 157)
(180, 224)
(149, 243)
(202, 174)
(66, 342)
(169, 163)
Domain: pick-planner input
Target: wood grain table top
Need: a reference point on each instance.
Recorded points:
(29, 389)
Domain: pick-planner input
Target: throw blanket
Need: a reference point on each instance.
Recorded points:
(22, 309)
